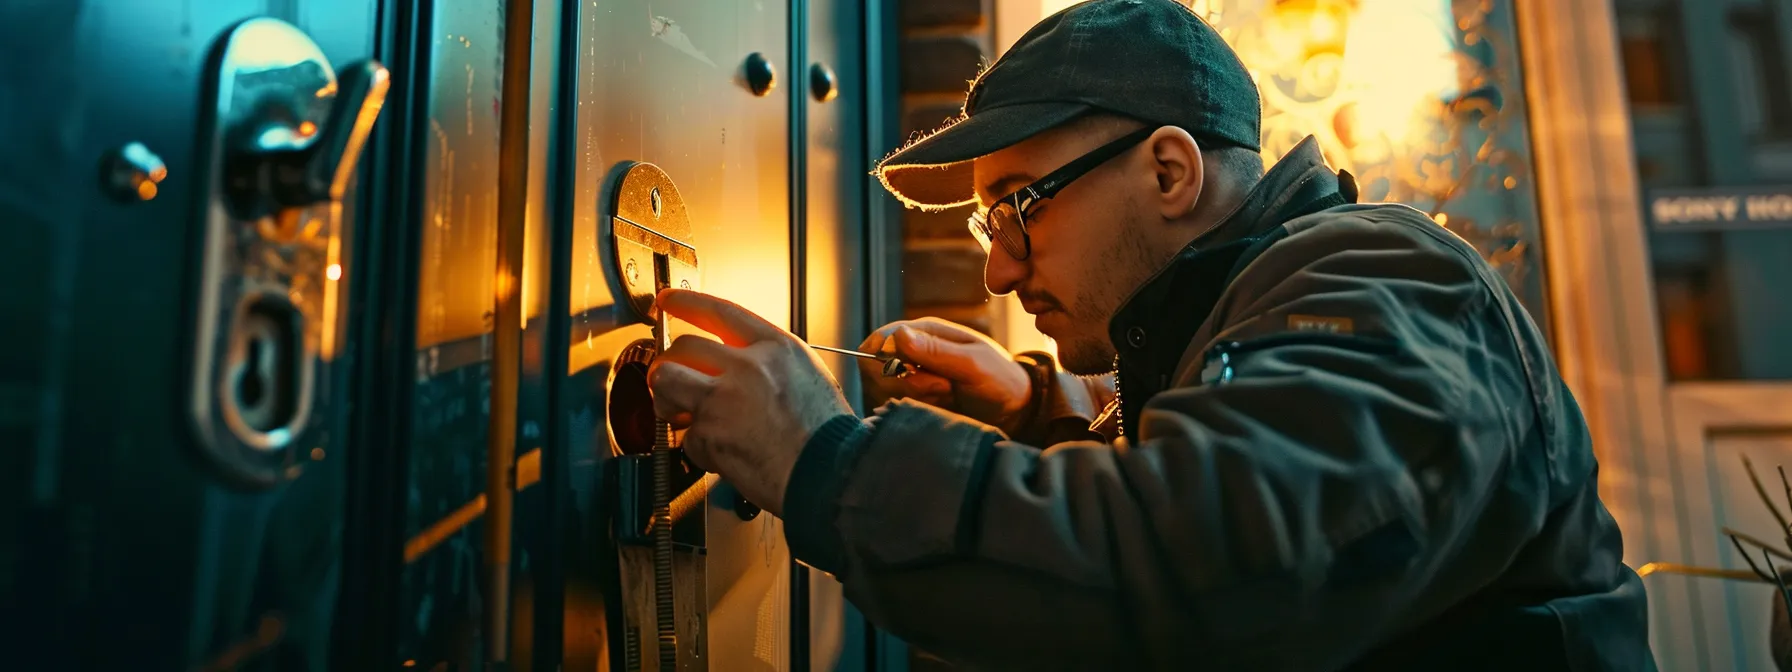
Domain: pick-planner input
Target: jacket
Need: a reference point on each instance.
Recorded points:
(1334, 440)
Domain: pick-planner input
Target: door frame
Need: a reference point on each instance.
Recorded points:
(1650, 434)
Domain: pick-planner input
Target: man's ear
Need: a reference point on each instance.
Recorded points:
(1180, 171)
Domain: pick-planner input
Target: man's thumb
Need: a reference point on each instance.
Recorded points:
(933, 353)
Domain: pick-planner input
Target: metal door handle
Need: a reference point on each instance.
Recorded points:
(284, 135)
(280, 165)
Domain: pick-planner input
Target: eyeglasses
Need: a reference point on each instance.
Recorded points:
(1006, 220)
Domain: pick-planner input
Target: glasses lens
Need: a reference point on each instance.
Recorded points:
(1006, 227)
(979, 227)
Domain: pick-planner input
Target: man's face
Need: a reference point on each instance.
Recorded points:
(1092, 244)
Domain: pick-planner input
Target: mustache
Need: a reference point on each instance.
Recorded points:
(1041, 299)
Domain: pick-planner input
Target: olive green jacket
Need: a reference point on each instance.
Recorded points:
(1338, 441)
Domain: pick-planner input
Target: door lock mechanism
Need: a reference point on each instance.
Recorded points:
(650, 238)
(285, 136)
(281, 159)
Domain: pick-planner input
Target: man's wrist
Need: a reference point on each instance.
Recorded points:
(1039, 369)
(812, 495)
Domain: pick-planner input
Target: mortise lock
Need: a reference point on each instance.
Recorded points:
(286, 133)
(651, 243)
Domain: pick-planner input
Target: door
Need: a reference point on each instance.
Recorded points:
(700, 92)
(137, 527)
(702, 96)
(1675, 341)
(840, 113)
(173, 369)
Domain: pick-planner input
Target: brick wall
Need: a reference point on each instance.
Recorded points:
(944, 44)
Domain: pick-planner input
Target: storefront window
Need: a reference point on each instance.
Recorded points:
(1711, 118)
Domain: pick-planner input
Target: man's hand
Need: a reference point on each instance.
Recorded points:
(749, 402)
(962, 371)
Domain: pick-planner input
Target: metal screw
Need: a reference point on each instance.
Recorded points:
(633, 274)
(131, 173)
(744, 509)
(654, 198)
(821, 83)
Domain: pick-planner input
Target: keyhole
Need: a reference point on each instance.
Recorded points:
(267, 373)
(251, 387)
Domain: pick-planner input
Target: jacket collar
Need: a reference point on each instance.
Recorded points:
(1151, 330)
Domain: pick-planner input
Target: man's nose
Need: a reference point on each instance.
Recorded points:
(1002, 274)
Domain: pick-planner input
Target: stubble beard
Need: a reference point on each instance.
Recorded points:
(1133, 262)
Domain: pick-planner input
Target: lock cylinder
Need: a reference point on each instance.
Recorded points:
(630, 403)
(264, 382)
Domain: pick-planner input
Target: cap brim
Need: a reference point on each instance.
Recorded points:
(934, 173)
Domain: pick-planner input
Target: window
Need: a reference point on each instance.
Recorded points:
(1759, 65)
(1422, 100)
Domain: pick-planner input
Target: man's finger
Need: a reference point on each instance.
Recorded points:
(677, 389)
(875, 342)
(730, 322)
(696, 447)
(941, 356)
(912, 385)
(703, 354)
(927, 384)
(947, 330)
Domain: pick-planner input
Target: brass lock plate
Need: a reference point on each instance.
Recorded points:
(650, 236)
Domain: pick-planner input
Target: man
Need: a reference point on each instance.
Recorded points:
(1332, 437)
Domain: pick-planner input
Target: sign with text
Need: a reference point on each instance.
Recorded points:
(1719, 208)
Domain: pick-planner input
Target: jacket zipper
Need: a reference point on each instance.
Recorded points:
(1119, 405)
(1222, 354)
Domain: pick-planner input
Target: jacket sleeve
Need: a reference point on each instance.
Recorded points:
(1313, 504)
(1064, 406)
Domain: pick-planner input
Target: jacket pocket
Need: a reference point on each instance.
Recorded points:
(1217, 362)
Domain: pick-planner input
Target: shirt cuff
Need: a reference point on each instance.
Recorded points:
(812, 496)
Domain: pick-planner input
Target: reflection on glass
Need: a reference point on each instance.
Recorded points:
(1420, 99)
(460, 208)
(441, 599)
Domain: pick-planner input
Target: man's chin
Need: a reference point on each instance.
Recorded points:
(1085, 359)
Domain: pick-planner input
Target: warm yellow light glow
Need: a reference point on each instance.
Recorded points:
(533, 229)
(1399, 55)
(1367, 77)
(328, 328)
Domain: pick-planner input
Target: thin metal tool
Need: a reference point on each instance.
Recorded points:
(662, 499)
(894, 367)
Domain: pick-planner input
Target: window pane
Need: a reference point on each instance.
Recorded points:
(1422, 100)
(1716, 176)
